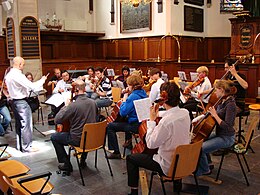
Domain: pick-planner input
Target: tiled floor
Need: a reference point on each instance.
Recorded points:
(99, 181)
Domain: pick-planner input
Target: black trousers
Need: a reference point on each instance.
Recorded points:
(134, 161)
(192, 106)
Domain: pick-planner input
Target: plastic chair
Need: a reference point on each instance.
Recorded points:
(241, 149)
(93, 138)
(33, 184)
(182, 165)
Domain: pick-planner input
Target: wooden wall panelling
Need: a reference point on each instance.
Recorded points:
(188, 49)
(47, 51)
(111, 49)
(3, 53)
(138, 49)
(153, 48)
(123, 49)
(218, 48)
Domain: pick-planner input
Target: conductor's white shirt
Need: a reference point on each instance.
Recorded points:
(18, 85)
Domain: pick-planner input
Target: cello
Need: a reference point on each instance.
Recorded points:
(65, 125)
(141, 146)
(205, 125)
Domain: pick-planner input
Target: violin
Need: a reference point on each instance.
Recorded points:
(97, 83)
(197, 82)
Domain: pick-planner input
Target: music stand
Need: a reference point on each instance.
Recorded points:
(33, 94)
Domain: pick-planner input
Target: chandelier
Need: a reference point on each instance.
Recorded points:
(135, 3)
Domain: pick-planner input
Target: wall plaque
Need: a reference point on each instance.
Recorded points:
(30, 39)
(195, 2)
(10, 38)
(246, 38)
(193, 19)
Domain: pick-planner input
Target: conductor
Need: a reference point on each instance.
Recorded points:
(18, 86)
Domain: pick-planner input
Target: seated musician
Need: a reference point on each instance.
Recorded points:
(125, 74)
(62, 85)
(5, 117)
(55, 78)
(197, 92)
(103, 89)
(90, 80)
(32, 99)
(78, 113)
(239, 80)
(172, 130)
(127, 109)
(155, 74)
(224, 116)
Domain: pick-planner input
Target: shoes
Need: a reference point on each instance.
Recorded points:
(207, 173)
(114, 156)
(31, 150)
(66, 167)
(211, 167)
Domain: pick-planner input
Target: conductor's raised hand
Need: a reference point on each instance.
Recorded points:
(44, 77)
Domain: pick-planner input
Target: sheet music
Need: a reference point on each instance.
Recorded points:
(183, 84)
(120, 84)
(110, 72)
(114, 83)
(193, 76)
(57, 99)
(182, 75)
(142, 108)
(131, 70)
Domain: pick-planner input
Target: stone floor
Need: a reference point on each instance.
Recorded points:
(99, 181)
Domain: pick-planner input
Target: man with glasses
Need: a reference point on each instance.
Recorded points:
(239, 80)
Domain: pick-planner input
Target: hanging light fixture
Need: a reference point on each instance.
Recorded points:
(135, 3)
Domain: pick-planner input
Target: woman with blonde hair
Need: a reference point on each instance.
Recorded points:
(224, 115)
(127, 110)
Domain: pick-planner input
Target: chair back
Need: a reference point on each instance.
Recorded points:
(93, 136)
(11, 168)
(250, 132)
(116, 94)
(185, 160)
(15, 190)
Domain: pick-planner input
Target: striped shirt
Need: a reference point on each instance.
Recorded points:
(105, 86)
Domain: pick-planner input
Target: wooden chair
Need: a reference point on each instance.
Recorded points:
(182, 165)
(11, 169)
(116, 93)
(32, 184)
(241, 149)
(93, 138)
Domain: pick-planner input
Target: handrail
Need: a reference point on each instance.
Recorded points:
(178, 44)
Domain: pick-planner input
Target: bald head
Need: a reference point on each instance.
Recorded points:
(80, 85)
(18, 62)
